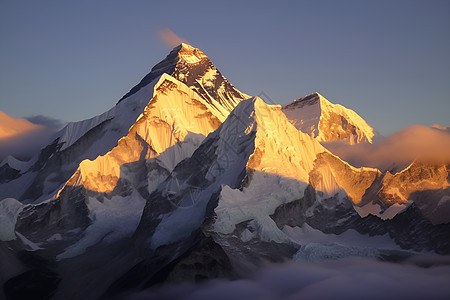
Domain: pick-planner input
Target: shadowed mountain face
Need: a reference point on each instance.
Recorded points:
(185, 180)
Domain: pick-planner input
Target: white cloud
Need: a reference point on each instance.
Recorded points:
(403, 146)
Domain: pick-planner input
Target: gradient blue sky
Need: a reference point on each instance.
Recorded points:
(387, 60)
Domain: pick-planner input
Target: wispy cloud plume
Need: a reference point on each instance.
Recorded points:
(170, 38)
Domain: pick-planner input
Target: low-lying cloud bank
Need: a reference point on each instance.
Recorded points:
(48, 122)
(404, 146)
(351, 278)
(23, 138)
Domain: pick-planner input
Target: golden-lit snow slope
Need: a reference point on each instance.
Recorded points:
(174, 111)
(315, 115)
(279, 147)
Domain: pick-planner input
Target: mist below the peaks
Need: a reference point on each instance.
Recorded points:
(350, 278)
(430, 144)
(23, 138)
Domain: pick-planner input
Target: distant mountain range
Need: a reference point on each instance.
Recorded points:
(186, 179)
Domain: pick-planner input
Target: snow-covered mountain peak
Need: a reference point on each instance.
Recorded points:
(192, 67)
(190, 54)
(185, 47)
(307, 100)
(279, 147)
(315, 115)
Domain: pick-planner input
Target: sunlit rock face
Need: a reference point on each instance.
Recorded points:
(318, 117)
(331, 174)
(427, 184)
(173, 113)
(417, 177)
(385, 195)
(422, 183)
(193, 68)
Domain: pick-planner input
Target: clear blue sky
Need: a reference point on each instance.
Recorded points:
(387, 60)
